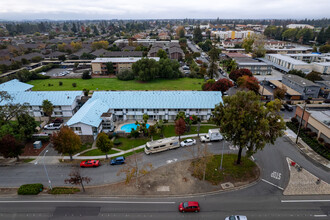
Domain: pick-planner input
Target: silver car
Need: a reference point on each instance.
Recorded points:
(188, 142)
(236, 217)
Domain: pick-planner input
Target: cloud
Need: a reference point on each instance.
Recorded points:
(142, 9)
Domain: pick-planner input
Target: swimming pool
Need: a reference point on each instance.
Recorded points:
(128, 127)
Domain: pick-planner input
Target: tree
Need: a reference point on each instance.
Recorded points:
(26, 126)
(152, 131)
(9, 111)
(180, 127)
(134, 167)
(297, 72)
(180, 32)
(214, 54)
(162, 54)
(110, 68)
(213, 70)
(62, 57)
(325, 48)
(100, 44)
(76, 46)
(221, 85)
(47, 108)
(168, 69)
(249, 82)
(103, 143)
(74, 28)
(259, 46)
(86, 75)
(321, 37)
(234, 75)
(77, 179)
(247, 44)
(10, 147)
(66, 141)
(198, 37)
(313, 76)
(279, 93)
(146, 69)
(246, 122)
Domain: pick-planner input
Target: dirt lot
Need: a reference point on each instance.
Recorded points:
(174, 179)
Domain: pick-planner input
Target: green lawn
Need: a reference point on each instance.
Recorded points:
(97, 152)
(231, 171)
(115, 84)
(128, 143)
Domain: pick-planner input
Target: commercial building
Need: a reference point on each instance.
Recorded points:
(317, 118)
(286, 63)
(300, 26)
(307, 88)
(119, 64)
(104, 108)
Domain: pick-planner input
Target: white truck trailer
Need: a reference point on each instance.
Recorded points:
(213, 135)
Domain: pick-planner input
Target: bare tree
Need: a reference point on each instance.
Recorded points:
(201, 157)
(134, 167)
(77, 179)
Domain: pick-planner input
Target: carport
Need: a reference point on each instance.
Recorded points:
(294, 95)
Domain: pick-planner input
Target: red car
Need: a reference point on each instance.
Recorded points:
(189, 207)
(90, 163)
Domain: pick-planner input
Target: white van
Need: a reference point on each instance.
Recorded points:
(161, 145)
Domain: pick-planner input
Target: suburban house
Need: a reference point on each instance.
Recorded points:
(317, 118)
(307, 88)
(65, 103)
(119, 64)
(106, 107)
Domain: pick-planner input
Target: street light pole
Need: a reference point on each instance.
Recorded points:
(43, 161)
(302, 117)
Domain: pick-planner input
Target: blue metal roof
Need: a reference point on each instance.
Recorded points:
(35, 98)
(159, 99)
(90, 113)
(14, 85)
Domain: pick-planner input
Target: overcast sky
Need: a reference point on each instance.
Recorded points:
(144, 9)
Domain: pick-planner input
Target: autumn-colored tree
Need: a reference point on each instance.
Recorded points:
(77, 179)
(61, 47)
(180, 32)
(103, 143)
(10, 147)
(76, 46)
(220, 85)
(249, 82)
(247, 122)
(279, 93)
(100, 44)
(152, 131)
(66, 141)
(180, 127)
(235, 74)
(248, 44)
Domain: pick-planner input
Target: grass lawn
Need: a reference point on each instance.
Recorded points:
(231, 172)
(63, 190)
(28, 160)
(133, 152)
(115, 84)
(129, 143)
(97, 152)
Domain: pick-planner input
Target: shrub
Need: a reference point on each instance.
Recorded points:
(135, 133)
(86, 75)
(312, 134)
(307, 130)
(327, 145)
(321, 140)
(60, 83)
(86, 91)
(294, 120)
(30, 189)
(117, 142)
(63, 190)
(126, 75)
(74, 84)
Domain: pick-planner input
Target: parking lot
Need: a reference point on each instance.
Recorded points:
(64, 73)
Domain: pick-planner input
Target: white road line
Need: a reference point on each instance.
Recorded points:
(66, 201)
(272, 184)
(320, 216)
(316, 200)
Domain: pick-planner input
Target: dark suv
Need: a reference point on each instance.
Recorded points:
(288, 107)
(117, 161)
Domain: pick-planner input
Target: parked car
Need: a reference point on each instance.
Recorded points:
(272, 86)
(90, 163)
(236, 217)
(288, 107)
(52, 126)
(190, 206)
(282, 108)
(187, 142)
(117, 161)
(58, 121)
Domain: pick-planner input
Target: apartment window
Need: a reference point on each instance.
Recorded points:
(77, 128)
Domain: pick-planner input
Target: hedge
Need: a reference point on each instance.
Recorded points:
(312, 142)
(63, 190)
(30, 189)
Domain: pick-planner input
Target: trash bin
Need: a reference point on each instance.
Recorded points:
(37, 145)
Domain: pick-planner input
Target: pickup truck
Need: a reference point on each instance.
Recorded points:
(52, 126)
(213, 135)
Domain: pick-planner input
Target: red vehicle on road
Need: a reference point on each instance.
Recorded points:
(90, 163)
(190, 206)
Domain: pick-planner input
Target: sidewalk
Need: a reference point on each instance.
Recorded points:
(304, 148)
(75, 157)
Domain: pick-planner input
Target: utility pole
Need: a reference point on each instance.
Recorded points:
(223, 146)
(302, 117)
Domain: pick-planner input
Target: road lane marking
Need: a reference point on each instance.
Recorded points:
(316, 200)
(276, 175)
(66, 201)
(320, 216)
(272, 184)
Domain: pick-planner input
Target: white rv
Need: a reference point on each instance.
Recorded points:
(161, 145)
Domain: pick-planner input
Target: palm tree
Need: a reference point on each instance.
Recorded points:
(48, 108)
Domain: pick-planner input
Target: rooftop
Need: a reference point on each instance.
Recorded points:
(287, 59)
(299, 80)
(14, 85)
(120, 59)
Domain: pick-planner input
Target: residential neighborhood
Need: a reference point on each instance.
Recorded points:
(171, 110)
